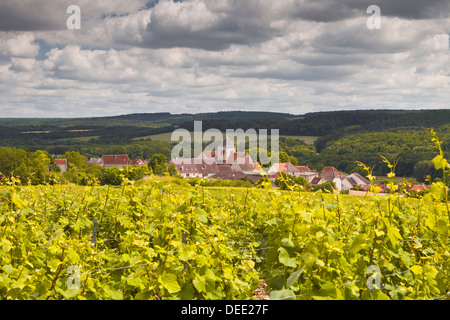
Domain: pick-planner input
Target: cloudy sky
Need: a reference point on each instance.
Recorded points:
(192, 56)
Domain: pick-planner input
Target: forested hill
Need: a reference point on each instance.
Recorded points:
(32, 133)
(314, 124)
(341, 137)
(126, 127)
(322, 123)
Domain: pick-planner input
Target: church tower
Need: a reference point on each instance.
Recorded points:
(225, 151)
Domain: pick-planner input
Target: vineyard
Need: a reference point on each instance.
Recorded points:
(162, 240)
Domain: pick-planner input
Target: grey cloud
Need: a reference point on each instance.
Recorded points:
(250, 22)
(413, 9)
(395, 36)
(225, 28)
(39, 15)
(219, 37)
(323, 11)
(32, 15)
(331, 10)
(348, 42)
(329, 60)
(305, 73)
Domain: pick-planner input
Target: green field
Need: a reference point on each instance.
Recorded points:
(166, 137)
(305, 139)
(163, 239)
(78, 139)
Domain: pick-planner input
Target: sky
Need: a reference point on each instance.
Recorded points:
(194, 56)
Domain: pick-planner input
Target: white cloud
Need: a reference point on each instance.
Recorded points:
(19, 44)
(210, 55)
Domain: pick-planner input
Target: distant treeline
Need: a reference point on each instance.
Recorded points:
(332, 124)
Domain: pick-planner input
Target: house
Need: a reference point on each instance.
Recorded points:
(224, 160)
(116, 160)
(334, 176)
(188, 169)
(226, 155)
(139, 162)
(416, 188)
(254, 178)
(357, 179)
(354, 179)
(97, 161)
(224, 168)
(287, 168)
(348, 183)
(274, 176)
(330, 170)
(303, 169)
(62, 164)
(208, 156)
(419, 187)
(306, 172)
(343, 182)
(250, 169)
(317, 181)
(221, 154)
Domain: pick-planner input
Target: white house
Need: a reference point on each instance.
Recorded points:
(354, 179)
(62, 164)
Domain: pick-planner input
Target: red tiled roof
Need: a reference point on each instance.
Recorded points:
(286, 167)
(419, 188)
(224, 168)
(303, 169)
(330, 176)
(316, 180)
(60, 161)
(116, 159)
(243, 167)
(189, 166)
(330, 169)
(275, 175)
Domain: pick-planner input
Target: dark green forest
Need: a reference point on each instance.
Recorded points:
(344, 137)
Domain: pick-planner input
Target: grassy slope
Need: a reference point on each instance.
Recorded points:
(166, 137)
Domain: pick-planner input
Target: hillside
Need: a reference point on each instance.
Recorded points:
(340, 137)
(27, 132)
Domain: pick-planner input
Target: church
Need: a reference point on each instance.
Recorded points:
(223, 160)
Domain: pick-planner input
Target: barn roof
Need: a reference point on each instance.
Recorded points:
(330, 169)
(116, 159)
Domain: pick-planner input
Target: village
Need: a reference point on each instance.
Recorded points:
(241, 166)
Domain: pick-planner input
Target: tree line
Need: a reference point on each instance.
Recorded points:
(22, 167)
